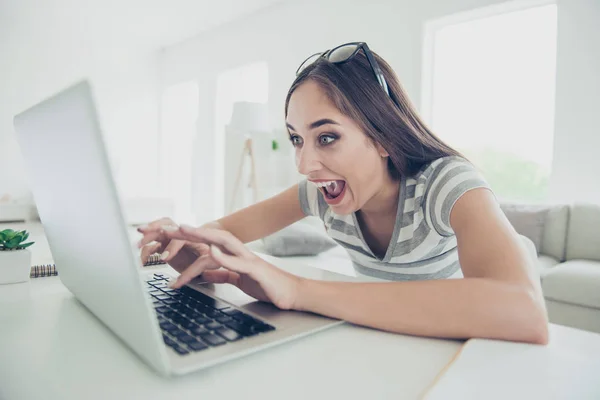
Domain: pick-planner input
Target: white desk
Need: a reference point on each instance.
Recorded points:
(52, 348)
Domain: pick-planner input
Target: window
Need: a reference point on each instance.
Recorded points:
(247, 83)
(179, 127)
(489, 87)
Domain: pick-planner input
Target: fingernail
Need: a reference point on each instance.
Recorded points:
(170, 228)
(164, 255)
(143, 227)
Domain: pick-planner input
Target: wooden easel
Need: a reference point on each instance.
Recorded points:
(253, 183)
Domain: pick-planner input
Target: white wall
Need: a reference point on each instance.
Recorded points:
(286, 34)
(577, 123)
(38, 60)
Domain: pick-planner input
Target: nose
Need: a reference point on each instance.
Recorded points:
(307, 160)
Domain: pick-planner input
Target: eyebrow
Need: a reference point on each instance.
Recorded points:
(315, 124)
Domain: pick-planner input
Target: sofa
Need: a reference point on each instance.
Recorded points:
(569, 262)
(566, 239)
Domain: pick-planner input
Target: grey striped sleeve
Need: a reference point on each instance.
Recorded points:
(451, 179)
(311, 200)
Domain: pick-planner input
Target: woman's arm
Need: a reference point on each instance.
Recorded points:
(500, 296)
(263, 218)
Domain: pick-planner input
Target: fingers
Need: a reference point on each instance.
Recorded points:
(195, 269)
(221, 276)
(231, 262)
(171, 250)
(153, 236)
(212, 236)
(155, 225)
(149, 249)
(154, 230)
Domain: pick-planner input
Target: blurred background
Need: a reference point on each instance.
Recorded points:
(512, 84)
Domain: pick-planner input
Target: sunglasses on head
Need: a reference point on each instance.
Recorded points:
(346, 52)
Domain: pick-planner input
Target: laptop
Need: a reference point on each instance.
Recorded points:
(173, 331)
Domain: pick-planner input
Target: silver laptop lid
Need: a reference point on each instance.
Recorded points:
(78, 204)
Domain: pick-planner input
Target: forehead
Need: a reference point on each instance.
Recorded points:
(309, 103)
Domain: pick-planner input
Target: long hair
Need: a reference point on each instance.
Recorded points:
(392, 122)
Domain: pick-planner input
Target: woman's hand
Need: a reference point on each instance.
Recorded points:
(241, 267)
(179, 254)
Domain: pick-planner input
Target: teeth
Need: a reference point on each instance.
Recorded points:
(322, 184)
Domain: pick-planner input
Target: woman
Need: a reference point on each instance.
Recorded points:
(406, 206)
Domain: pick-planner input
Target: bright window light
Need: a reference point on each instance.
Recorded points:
(179, 126)
(491, 96)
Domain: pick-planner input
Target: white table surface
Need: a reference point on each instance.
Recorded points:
(51, 347)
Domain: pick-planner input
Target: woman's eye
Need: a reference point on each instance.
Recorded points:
(295, 139)
(326, 139)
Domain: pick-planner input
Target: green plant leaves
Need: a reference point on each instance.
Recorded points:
(11, 239)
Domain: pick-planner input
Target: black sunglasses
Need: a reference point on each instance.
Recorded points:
(345, 52)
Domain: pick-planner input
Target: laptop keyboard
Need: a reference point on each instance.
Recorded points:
(191, 321)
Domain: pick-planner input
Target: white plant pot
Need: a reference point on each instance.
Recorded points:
(15, 266)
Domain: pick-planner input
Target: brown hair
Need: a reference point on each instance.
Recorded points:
(391, 122)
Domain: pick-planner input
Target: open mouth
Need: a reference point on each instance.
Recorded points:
(332, 189)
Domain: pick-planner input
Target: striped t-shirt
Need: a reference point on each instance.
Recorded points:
(423, 244)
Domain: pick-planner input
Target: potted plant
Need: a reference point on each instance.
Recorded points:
(15, 258)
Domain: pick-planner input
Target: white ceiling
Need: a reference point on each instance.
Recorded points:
(142, 25)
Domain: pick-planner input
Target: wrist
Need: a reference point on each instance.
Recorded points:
(303, 287)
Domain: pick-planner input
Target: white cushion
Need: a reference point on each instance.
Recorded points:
(574, 282)
(298, 239)
(583, 240)
(528, 221)
(555, 232)
(546, 264)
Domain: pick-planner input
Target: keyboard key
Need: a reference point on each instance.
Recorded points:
(180, 350)
(161, 296)
(179, 320)
(167, 326)
(259, 328)
(168, 341)
(213, 314)
(170, 302)
(213, 325)
(202, 320)
(204, 299)
(187, 339)
(213, 340)
(245, 318)
(197, 346)
(231, 312)
(228, 334)
(241, 328)
(200, 330)
(224, 320)
(162, 309)
(189, 325)
(170, 314)
(178, 333)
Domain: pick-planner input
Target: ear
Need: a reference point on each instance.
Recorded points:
(381, 150)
